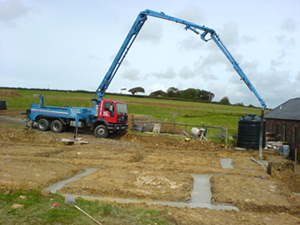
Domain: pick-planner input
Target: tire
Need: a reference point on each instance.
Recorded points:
(101, 131)
(43, 124)
(56, 126)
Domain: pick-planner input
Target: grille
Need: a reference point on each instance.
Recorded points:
(122, 118)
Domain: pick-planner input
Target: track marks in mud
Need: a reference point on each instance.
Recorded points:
(158, 181)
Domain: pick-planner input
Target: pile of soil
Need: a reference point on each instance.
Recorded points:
(9, 93)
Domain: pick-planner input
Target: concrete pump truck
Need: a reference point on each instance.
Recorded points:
(108, 116)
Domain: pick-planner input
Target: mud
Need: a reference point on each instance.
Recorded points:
(154, 167)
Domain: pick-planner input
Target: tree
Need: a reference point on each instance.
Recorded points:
(205, 95)
(123, 89)
(159, 93)
(190, 93)
(172, 92)
(137, 89)
(225, 101)
(239, 104)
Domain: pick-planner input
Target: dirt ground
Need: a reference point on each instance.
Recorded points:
(153, 167)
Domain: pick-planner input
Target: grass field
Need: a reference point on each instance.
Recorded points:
(37, 210)
(161, 109)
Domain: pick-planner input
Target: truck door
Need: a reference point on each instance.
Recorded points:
(108, 112)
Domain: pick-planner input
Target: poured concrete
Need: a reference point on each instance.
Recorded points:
(150, 202)
(59, 185)
(226, 163)
(200, 196)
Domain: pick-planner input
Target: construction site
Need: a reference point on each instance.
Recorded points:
(196, 181)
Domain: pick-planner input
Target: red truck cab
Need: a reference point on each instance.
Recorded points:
(113, 115)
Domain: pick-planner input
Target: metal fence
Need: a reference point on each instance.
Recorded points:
(148, 124)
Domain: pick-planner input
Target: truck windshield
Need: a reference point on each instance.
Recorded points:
(121, 108)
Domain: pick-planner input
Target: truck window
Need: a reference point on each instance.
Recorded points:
(121, 108)
(109, 106)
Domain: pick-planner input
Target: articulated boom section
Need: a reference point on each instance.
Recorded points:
(199, 30)
(130, 38)
(238, 69)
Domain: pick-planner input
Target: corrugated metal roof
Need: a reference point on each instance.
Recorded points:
(290, 110)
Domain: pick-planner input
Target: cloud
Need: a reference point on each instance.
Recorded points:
(131, 74)
(156, 87)
(248, 39)
(251, 71)
(125, 62)
(273, 85)
(196, 15)
(229, 34)
(93, 57)
(236, 92)
(11, 10)
(186, 73)
(168, 74)
(213, 58)
(192, 13)
(288, 46)
(280, 58)
(205, 65)
(277, 85)
(152, 31)
(297, 78)
(289, 25)
(191, 43)
(287, 42)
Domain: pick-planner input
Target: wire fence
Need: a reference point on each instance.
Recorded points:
(200, 131)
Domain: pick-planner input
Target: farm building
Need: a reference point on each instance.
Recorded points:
(284, 123)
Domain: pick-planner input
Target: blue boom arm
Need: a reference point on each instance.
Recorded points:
(200, 30)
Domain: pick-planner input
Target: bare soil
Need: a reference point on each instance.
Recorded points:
(9, 93)
(153, 167)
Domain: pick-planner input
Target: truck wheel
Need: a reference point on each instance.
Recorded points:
(56, 126)
(101, 131)
(43, 124)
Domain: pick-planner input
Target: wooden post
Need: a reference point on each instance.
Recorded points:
(132, 122)
(295, 163)
(226, 133)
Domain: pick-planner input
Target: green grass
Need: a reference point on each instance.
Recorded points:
(37, 210)
(186, 111)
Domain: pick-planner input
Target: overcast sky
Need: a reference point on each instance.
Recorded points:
(70, 45)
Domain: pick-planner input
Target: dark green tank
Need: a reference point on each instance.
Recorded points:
(3, 104)
(249, 132)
